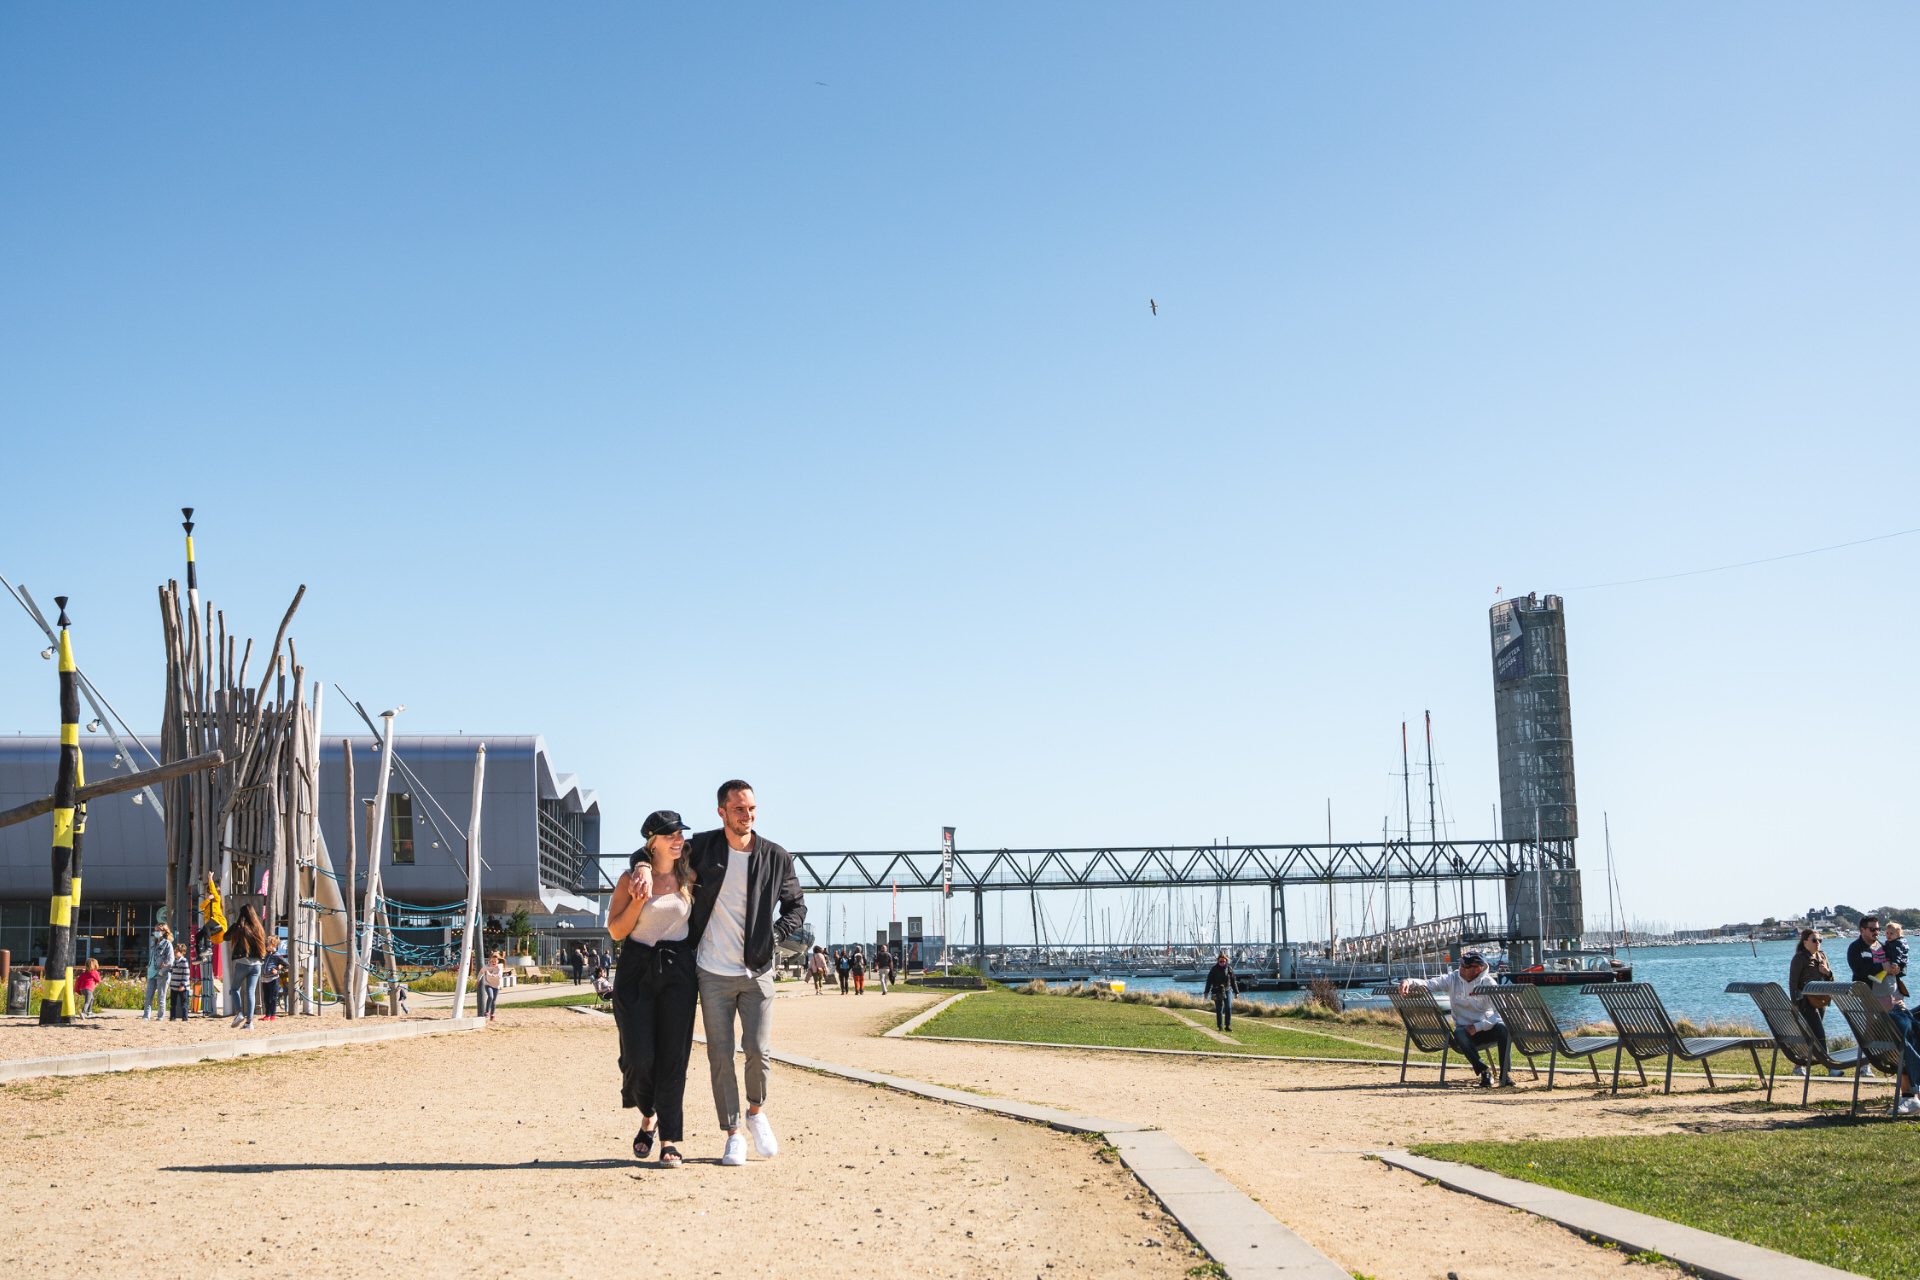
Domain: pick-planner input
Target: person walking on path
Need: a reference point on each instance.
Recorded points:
(1223, 984)
(579, 966)
(842, 966)
(179, 986)
(1809, 965)
(746, 902)
(857, 965)
(248, 949)
(159, 972)
(883, 965)
(817, 970)
(1475, 1021)
(486, 986)
(655, 989)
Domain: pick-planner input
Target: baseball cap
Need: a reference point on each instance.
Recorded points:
(660, 821)
(1472, 957)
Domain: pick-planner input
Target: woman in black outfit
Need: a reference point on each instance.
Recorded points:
(655, 990)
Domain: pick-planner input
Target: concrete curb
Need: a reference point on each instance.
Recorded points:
(926, 1015)
(1223, 1220)
(178, 1055)
(1714, 1256)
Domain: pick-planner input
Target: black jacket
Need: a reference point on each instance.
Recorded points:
(770, 878)
(1222, 978)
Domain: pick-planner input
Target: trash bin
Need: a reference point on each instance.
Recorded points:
(19, 993)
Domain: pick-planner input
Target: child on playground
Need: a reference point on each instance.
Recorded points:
(179, 985)
(87, 984)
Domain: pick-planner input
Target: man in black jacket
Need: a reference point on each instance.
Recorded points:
(741, 880)
(1223, 984)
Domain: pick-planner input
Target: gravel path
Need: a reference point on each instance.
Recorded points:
(505, 1148)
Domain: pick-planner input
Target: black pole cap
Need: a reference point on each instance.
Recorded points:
(60, 603)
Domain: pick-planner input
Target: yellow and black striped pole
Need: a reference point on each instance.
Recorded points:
(57, 1005)
(193, 577)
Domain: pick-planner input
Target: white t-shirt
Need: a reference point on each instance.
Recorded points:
(662, 919)
(723, 947)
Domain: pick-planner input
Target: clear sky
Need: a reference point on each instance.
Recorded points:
(772, 391)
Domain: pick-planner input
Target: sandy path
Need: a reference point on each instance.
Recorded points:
(1292, 1135)
(452, 1155)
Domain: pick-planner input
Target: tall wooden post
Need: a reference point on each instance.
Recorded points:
(346, 889)
(374, 838)
(56, 1008)
(473, 883)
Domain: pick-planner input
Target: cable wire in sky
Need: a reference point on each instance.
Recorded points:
(1744, 564)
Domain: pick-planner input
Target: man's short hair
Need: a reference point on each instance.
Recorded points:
(730, 786)
(1869, 920)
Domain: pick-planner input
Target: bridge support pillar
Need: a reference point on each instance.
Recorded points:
(980, 931)
(1276, 918)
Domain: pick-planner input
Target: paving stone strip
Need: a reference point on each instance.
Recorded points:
(1206, 1031)
(1713, 1256)
(1246, 1240)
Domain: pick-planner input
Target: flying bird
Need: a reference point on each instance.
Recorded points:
(1154, 305)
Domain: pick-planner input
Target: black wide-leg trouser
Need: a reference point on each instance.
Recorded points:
(655, 993)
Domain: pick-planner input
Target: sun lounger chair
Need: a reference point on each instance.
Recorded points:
(1873, 1031)
(1427, 1024)
(1536, 1034)
(1646, 1032)
(1791, 1036)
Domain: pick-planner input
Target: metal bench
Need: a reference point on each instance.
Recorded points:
(1536, 1034)
(1791, 1036)
(1646, 1032)
(1878, 1039)
(1427, 1025)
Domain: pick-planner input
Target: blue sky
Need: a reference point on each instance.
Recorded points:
(605, 376)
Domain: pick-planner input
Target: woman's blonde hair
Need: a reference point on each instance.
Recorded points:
(682, 869)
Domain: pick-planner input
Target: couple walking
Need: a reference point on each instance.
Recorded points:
(698, 919)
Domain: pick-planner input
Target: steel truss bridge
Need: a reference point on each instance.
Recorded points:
(1278, 866)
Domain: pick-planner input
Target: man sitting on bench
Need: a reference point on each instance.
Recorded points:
(1475, 1022)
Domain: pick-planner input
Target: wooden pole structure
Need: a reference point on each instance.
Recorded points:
(56, 1008)
(346, 889)
(473, 883)
(375, 837)
(113, 787)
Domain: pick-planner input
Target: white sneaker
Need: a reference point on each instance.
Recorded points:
(1799, 1071)
(763, 1140)
(1909, 1106)
(736, 1152)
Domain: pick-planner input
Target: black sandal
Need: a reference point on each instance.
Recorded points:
(669, 1156)
(642, 1144)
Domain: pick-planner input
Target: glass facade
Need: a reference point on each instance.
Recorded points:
(563, 846)
(114, 933)
(400, 824)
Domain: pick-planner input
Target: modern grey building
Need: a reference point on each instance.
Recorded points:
(540, 837)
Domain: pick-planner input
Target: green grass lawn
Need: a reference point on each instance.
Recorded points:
(552, 1002)
(1838, 1194)
(1006, 1015)
(1000, 1013)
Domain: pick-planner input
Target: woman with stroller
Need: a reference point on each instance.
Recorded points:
(655, 988)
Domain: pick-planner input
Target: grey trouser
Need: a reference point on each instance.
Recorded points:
(720, 997)
(156, 997)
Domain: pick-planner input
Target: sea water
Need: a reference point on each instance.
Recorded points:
(1691, 981)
